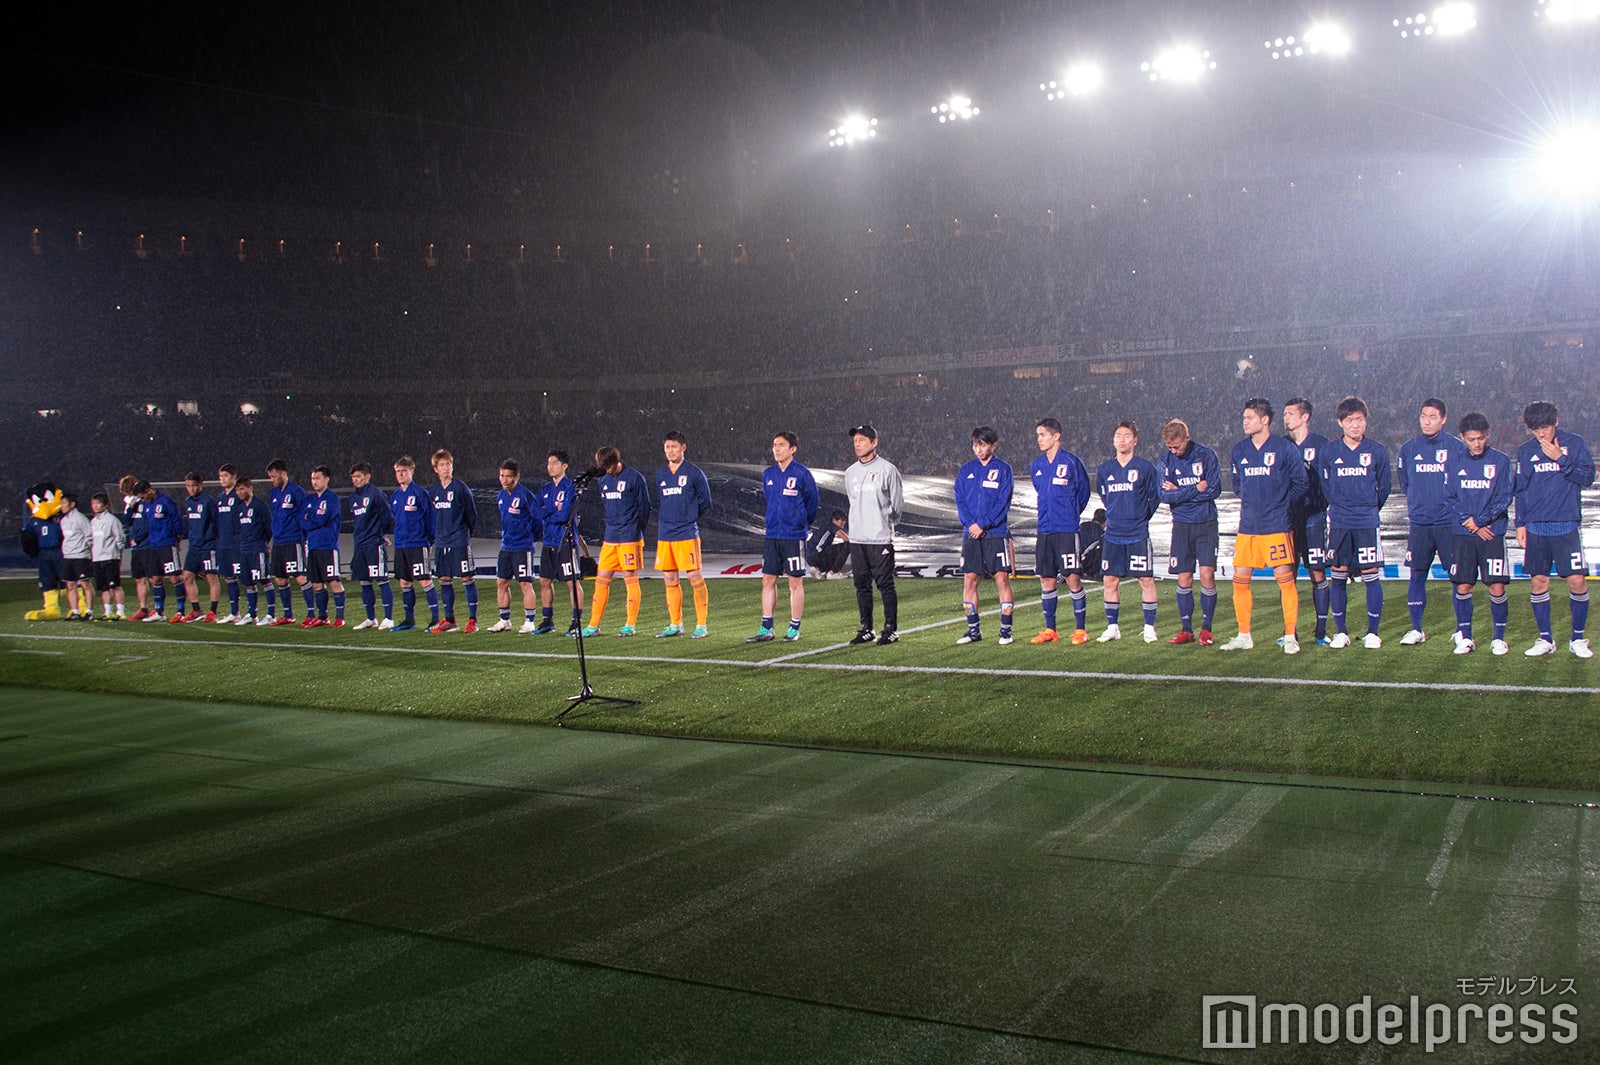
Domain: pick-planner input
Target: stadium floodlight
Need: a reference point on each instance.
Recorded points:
(1568, 12)
(851, 130)
(1414, 27)
(956, 109)
(1568, 165)
(1081, 79)
(1323, 38)
(1454, 19)
(1179, 63)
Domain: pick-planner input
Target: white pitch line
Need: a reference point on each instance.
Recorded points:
(849, 667)
(1452, 832)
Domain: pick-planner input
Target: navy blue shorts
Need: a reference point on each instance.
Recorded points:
(370, 562)
(228, 563)
(50, 574)
(254, 567)
(1354, 549)
(1194, 544)
(783, 557)
(411, 564)
(554, 565)
(1563, 554)
(165, 561)
(985, 556)
(516, 566)
(1474, 560)
(1057, 554)
(1311, 542)
(323, 566)
(454, 562)
(288, 560)
(1424, 543)
(1127, 560)
(197, 561)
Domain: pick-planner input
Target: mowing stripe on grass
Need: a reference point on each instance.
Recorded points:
(862, 667)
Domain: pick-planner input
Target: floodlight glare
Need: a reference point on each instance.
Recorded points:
(957, 108)
(1568, 166)
(1083, 79)
(1414, 27)
(1564, 12)
(1454, 19)
(852, 129)
(1327, 38)
(1180, 64)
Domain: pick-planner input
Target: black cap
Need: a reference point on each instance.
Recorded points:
(865, 430)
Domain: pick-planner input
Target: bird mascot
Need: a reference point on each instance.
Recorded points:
(41, 541)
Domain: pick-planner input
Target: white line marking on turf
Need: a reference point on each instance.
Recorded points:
(20, 651)
(848, 667)
(1452, 832)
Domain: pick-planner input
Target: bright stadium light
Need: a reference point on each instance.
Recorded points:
(1414, 27)
(851, 130)
(1081, 79)
(1179, 63)
(1454, 19)
(1568, 165)
(1324, 38)
(956, 109)
(1568, 12)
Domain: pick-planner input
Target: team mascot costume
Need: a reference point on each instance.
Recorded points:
(41, 540)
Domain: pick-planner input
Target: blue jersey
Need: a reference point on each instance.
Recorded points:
(370, 516)
(412, 511)
(1356, 482)
(1424, 462)
(520, 527)
(1062, 487)
(1267, 480)
(1190, 503)
(627, 501)
(685, 497)
(1548, 491)
(1479, 488)
(166, 521)
(136, 518)
(1131, 494)
(48, 530)
(200, 511)
(227, 520)
(455, 514)
(555, 509)
(320, 520)
(1312, 502)
(792, 501)
(287, 503)
(983, 497)
(254, 521)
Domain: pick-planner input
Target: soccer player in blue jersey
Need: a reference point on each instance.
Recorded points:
(320, 520)
(1129, 485)
(371, 523)
(626, 495)
(1553, 468)
(136, 520)
(1268, 475)
(1308, 515)
(556, 502)
(792, 501)
(288, 542)
(1356, 483)
(684, 495)
(1191, 480)
(455, 515)
(1423, 464)
(412, 510)
(253, 517)
(228, 539)
(1061, 485)
(519, 547)
(1477, 489)
(166, 533)
(983, 506)
(201, 522)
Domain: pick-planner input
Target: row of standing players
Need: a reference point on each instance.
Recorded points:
(1304, 500)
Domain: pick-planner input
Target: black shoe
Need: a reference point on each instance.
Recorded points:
(864, 636)
(888, 636)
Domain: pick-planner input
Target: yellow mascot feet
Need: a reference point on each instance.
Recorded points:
(51, 611)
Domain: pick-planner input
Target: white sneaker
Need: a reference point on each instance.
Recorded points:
(227, 619)
(156, 617)
(1005, 641)
(1465, 647)
(386, 623)
(1580, 648)
(264, 620)
(1241, 642)
(1540, 648)
(368, 624)
(814, 573)
(1499, 647)
(528, 625)
(500, 626)
(1113, 632)
(1372, 641)
(244, 619)
(1150, 634)
(1339, 639)
(968, 637)
(1413, 637)
(1291, 645)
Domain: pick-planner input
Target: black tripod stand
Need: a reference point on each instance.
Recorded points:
(572, 573)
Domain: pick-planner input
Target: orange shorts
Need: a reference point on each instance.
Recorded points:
(621, 558)
(680, 556)
(1262, 551)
